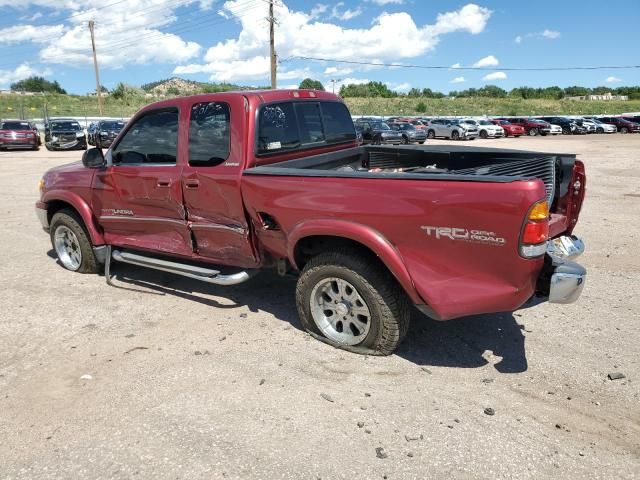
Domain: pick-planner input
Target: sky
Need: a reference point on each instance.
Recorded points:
(139, 41)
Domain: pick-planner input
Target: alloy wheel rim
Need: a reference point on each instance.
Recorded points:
(339, 311)
(67, 247)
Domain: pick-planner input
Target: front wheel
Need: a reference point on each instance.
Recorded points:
(566, 131)
(600, 130)
(624, 130)
(431, 134)
(533, 132)
(405, 140)
(455, 135)
(71, 243)
(483, 134)
(352, 303)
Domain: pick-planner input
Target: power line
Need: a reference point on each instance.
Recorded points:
(442, 67)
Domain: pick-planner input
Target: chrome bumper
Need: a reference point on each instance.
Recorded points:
(563, 279)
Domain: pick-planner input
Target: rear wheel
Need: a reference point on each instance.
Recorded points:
(405, 140)
(431, 134)
(566, 131)
(455, 135)
(533, 132)
(624, 130)
(352, 303)
(71, 243)
(483, 134)
(600, 130)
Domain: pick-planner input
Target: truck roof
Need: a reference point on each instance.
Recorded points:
(257, 96)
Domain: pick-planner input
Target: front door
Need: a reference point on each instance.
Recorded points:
(138, 197)
(211, 181)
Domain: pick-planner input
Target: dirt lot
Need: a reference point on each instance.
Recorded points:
(192, 381)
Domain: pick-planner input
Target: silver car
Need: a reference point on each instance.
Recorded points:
(486, 129)
(453, 129)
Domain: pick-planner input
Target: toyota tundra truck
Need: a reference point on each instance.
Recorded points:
(220, 187)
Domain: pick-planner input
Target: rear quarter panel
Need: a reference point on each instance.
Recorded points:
(455, 277)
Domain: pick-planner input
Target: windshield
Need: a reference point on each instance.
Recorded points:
(112, 125)
(485, 122)
(15, 126)
(470, 122)
(406, 126)
(380, 126)
(505, 122)
(69, 125)
(536, 120)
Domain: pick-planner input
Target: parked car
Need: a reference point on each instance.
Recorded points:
(510, 129)
(486, 129)
(103, 133)
(378, 133)
(567, 126)
(17, 134)
(623, 125)
(598, 126)
(410, 134)
(64, 134)
(589, 126)
(268, 180)
(359, 136)
(454, 129)
(632, 118)
(532, 126)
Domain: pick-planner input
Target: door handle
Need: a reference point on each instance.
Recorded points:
(164, 183)
(192, 183)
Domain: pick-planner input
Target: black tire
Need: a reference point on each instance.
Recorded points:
(455, 135)
(600, 130)
(483, 134)
(36, 147)
(533, 132)
(48, 147)
(624, 130)
(71, 220)
(566, 131)
(431, 134)
(387, 302)
(405, 140)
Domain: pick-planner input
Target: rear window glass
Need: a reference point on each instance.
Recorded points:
(209, 134)
(294, 125)
(15, 126)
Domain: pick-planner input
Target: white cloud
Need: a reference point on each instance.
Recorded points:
(131, 35)
(546, 33)
(382, 3)
(318, 10)
(495, 76)
(550, 34)
(335, 71)
(301, 34)
(347, 14)
(613, 79)
(454, 66)
(399, 87)
(29, 33)
(457, 80)
(31, 18)
(25, 70)
(488, 61)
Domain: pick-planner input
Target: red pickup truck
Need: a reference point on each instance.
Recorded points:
(218, 187)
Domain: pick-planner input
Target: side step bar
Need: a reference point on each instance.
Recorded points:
(198, 273)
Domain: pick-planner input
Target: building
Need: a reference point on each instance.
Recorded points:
(605, 96)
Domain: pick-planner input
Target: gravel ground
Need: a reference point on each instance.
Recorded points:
(162, 377)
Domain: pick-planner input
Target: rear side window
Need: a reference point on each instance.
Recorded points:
(152, 139)
(296, 125)
(209, 134)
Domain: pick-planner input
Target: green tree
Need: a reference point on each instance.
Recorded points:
(421, 107)
(38, 84)
(311, 84)
(126, 92)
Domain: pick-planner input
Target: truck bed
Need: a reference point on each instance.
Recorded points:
(427, 162)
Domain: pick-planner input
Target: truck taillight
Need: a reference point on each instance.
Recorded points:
(535, 233)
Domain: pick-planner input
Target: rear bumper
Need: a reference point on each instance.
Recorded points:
(561, 279)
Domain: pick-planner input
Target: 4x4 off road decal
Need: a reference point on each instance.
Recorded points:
(464, 235)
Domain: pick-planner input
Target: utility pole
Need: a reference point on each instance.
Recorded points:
(333, 84)
(95, 66)
(272, 46)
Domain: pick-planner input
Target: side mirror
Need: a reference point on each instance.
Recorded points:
(93, 158)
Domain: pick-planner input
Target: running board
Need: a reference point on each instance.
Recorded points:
(198, 273)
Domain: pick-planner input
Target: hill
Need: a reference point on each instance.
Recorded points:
(32, 106)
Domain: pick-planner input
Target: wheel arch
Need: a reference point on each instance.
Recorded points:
(60, 200)
(313, 237)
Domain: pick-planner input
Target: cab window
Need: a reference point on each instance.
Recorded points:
(151, 140)
(209, 134)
